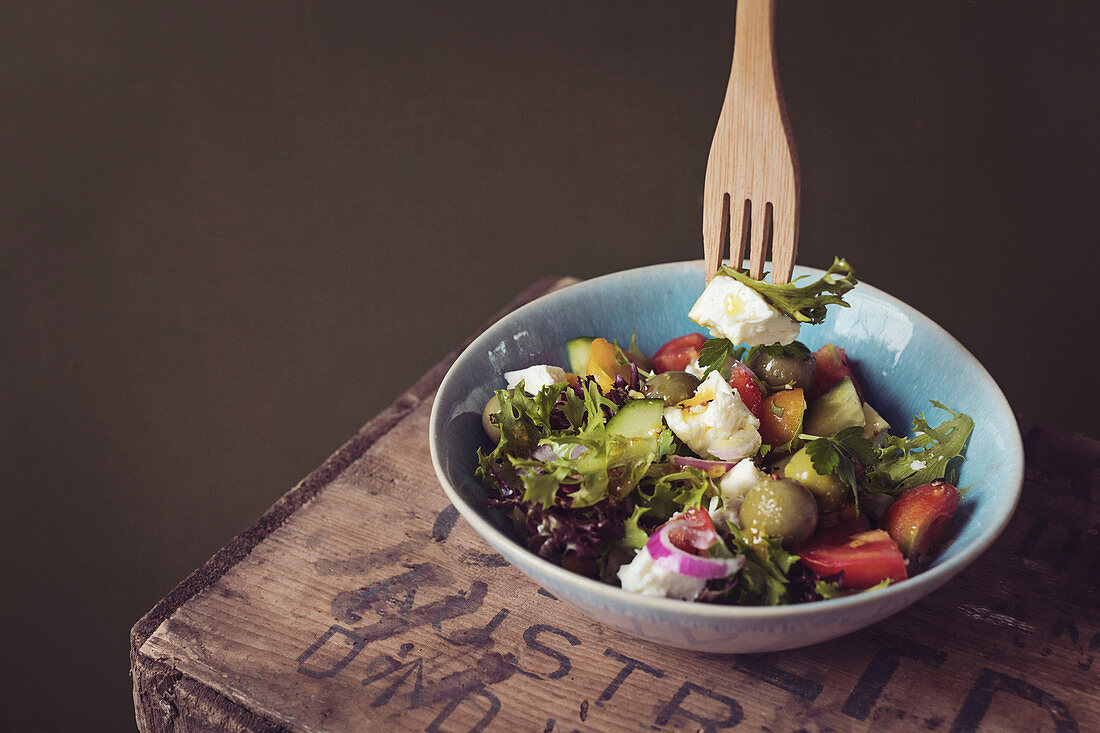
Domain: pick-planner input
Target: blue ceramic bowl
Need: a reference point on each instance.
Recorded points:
(903, 359)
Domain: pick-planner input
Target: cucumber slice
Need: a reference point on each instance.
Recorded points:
(874, 423)
(638, 419)
(835, 410)
(578, 355)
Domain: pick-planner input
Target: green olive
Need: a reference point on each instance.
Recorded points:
(780, 508)
(492, 407)
(787, 369)
(829, 490)
(672, 387)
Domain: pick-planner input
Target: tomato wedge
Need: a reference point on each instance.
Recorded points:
(741, 379)
(920, 517)
(832, 366)
(866, 557)
(693, 532)
(781, 417)
(678, 353)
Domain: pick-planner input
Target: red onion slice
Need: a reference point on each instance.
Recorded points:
(714, 469)
(543, 453)
(670, 557)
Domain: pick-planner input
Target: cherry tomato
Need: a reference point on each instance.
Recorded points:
(920, 517)
(694, 532)
(742, 381)
(781, 417)
(865, 556)
(832, 366)
(678, 353)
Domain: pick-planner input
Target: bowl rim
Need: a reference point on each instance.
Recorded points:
(907, 591)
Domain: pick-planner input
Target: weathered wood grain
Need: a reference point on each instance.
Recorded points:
(156, 685)
(362, 601)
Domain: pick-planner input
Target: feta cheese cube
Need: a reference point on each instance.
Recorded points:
(643, 575)
(735, 311)
(735, 486)
(535, 378)
(715, 422)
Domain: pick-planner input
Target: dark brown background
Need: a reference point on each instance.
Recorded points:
(232, 232)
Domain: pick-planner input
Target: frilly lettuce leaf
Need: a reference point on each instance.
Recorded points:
(938, 452)
(763, 579)
(803, 303)
(634, 536)
(524, 420)
(673, 492)
(591, 465)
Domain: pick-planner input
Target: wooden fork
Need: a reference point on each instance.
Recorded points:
(752, 184)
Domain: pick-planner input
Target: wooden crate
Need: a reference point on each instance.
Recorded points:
(361, 601)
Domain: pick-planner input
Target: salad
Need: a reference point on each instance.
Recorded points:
(743, 468)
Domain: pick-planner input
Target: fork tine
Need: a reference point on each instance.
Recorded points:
(784, 242)
(739, 234)
(715, 226)
(760, 224)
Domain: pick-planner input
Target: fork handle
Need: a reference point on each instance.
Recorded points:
(754, 41)
(756, 71)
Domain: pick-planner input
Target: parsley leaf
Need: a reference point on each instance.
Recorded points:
(803, 303)
(839, 454)
(852, 441)
(824, 455)
(714, 355)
